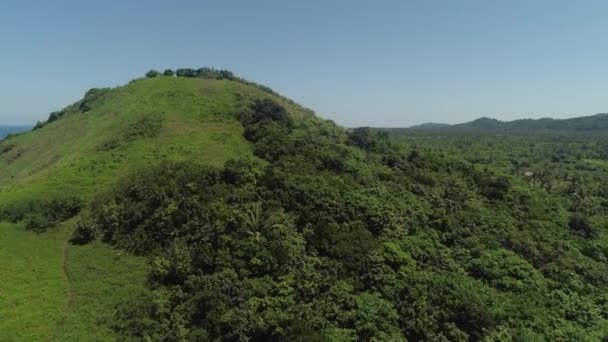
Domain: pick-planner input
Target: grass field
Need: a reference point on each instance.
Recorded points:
(51, 291)
(33, 288)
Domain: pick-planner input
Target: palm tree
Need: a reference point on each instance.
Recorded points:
(259, 221)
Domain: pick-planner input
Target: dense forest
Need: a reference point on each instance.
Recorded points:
(363, 237)
(329, 234)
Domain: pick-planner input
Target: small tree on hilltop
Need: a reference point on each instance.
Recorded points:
(186, 72)
(152, 73)
(168, 72)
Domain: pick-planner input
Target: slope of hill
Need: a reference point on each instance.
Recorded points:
(234, 214)
(143, 122)
(79, 153)
(588, 125)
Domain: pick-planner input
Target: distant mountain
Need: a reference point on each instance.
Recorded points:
(587, 125)
(430, 126)
(6, 130)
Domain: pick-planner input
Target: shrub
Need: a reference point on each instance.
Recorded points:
(43, 214)
(92, 98)
(241, 172)
(147, 127)
(152, 73)
(85, 232)
(65, 208)
(38, 221)
(362, 138)
(185, 72)
(580, 224)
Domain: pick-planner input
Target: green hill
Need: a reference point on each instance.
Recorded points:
(80, 153)
(204, 207)
(594, 125)
(112, 131)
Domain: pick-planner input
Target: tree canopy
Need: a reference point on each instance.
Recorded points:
(360, 237)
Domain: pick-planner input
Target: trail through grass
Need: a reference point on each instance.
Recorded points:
(54, 291)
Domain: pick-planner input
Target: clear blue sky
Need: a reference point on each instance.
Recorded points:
(378, 63)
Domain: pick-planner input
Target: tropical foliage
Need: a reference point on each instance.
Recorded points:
(359, 236)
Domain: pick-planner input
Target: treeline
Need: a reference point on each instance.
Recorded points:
(40, 215)
(346, 236)
(200, 72)
(208, 73)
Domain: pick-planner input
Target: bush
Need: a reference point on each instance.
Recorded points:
(65, 208)
(38, 221)
(85, 232)
(152, 73)
(580, 224)
(54, 116)
(241, 172)
(493, 188)
(362, 138)
(185, 72)
(92, 98)
(41, 215)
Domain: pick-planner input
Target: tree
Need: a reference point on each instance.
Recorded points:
(168, 72)
(152, 73)
(186, 72)
(580, 224)
(362, 138)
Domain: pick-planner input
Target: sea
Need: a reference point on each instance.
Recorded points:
(6, 130)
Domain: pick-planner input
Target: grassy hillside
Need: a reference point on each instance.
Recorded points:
(51, 291)
(142, 123)
(56, 290)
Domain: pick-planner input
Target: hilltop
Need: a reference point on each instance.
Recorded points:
(593, 125)
(112, 131)
(195, 205)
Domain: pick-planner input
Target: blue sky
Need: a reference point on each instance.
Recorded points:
(376, 63)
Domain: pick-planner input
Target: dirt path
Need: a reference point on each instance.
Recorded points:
(59, 330)
(69, 296)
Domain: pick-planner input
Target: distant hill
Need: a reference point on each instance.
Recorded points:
(430, 126)
(586, 125)
(6, 130)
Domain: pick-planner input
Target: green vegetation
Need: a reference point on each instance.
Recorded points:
(261, 222)
(51, 291)
(385, 240)
(595, 125)
(47, 175)
(32, 290)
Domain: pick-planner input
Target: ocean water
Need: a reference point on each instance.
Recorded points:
(6, 130)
